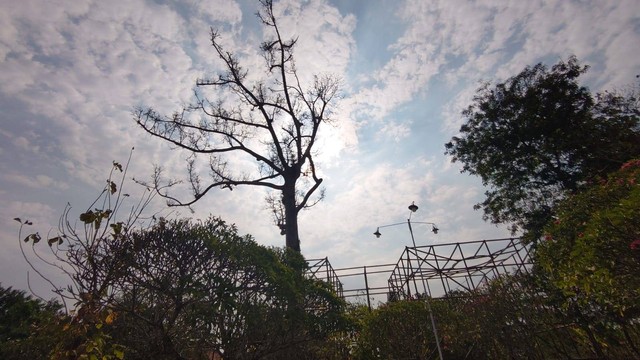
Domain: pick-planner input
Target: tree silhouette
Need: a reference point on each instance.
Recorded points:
(272, 122)
(539, 136)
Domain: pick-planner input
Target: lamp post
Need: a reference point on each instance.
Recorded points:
(413, 208)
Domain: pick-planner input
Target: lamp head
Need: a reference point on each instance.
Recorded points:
(377, 233)
(413, 207)
(435, 229)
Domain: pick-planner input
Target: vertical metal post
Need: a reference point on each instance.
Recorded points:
(407, 275)
(433, 321)
(366, 285)
(411, 231)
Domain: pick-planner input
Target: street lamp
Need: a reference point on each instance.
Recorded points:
(413, 208)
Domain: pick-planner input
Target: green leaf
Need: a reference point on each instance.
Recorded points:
(118, 353)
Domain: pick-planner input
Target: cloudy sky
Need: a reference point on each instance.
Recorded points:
(71, 72)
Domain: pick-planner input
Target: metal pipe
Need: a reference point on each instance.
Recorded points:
(433, 321)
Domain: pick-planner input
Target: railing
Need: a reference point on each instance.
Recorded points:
(365, 281)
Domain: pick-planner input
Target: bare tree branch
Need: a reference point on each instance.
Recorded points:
(273, 121)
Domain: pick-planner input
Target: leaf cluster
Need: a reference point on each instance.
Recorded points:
(589, 253)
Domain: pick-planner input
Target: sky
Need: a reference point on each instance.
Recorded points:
(72, 72)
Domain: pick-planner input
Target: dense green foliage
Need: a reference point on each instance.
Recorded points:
(188, 290)
(552, 155)
(538, 137)
(193, 289)
(592, 249)
(21, 318)
(512, 317)
(178, 289)
(591, 254)
(397, 330)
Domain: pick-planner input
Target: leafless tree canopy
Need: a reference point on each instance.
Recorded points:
(273, 122)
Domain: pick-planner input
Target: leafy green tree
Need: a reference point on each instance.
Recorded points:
(193, 289)
(29, 328)
(540, 136)
(34, 329)
(591, 254)
(181, 289)
(272, 122)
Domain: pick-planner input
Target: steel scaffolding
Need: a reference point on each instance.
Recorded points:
(433, 270)
(439, 270)
(321, 269)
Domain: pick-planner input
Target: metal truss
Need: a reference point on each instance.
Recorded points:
(321, 269)
(433, 270)
(443, 269)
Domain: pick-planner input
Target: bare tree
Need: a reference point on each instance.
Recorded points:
(272, 122)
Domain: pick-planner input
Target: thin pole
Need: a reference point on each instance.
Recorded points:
(366, 285)
(433, 322)
(411, 231)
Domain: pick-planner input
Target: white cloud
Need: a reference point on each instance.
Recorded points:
(324, 37)
(394, 131)
(37, 182)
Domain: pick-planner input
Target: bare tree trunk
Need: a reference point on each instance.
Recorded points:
(291, 216)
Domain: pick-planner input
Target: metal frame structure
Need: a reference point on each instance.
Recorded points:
(438, 270)
(433, 270)
(369, 274)
(321, 269)
(442, 272)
